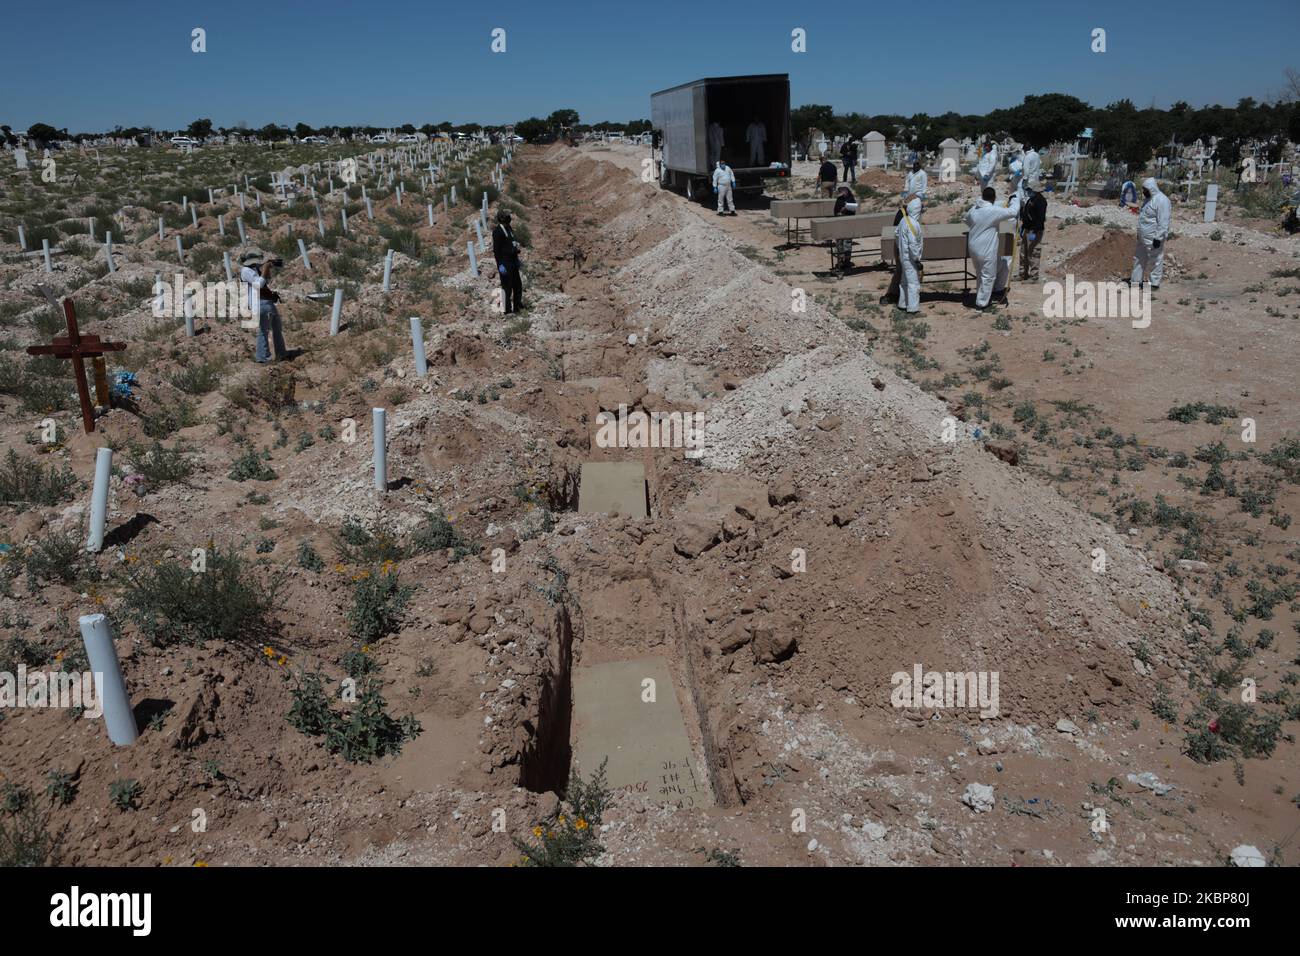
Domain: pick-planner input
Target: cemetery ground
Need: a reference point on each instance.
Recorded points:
(474, 605)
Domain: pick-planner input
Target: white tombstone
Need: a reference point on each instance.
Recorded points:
(20, 157)
(950, 149)
(873, 149)
(1211, 201)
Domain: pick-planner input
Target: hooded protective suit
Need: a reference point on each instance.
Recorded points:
(716, 141)
(1033, 165)
(988, 165)
(724, 180)
(1015, 172)
(982, 246)
(917, 182)
(909, 242)
(1153, 229)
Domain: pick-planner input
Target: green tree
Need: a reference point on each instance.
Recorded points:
(42, 133)
(563, 118)
(201, 128)
(532, 129)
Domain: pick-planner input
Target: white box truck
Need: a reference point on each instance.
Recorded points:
(680, 118)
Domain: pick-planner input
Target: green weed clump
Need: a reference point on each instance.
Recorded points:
(24, 483)
(160, 465)
(172, 604)
(361, 733)
(250, 467)
(25, 835)
(570, 838)
(377, 604)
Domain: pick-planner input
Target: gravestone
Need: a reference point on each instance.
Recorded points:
(606, 486)
(20, 157)
(950, 149)
(873, 149)
(644, 742)
(1211, 201)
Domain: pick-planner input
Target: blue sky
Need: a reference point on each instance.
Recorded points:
(93, 65)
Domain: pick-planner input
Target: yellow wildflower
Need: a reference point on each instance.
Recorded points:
(537, 831)
(581, 824)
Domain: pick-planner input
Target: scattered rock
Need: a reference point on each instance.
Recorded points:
(1149, 781)
(773, 645)
(979, 797)
(1068, 727)
(1246, 855)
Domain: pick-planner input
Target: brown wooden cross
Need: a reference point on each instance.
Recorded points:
(77, 347)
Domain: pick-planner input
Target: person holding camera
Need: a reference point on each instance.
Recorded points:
(255, 272)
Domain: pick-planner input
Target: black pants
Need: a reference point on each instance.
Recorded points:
(512, 289)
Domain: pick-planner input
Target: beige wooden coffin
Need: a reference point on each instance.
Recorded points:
(864, 225)
(943, 240)
(801, 208)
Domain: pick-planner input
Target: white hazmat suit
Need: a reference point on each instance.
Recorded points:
(756, 137)
(982, 246)
(723, 181)
(1153, 230)
(988, 165)
(917, 182)
(1033, 165)
(909, 243)
(716, 142)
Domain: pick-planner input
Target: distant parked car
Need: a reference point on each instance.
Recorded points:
(182, 141)
(319, 140)
(379, 138)
(408, 138)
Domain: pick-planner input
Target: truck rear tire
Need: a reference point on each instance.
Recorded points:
(696, 190)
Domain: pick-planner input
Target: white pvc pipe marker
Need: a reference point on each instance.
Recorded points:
(302, 247)
(380, 423)
(110, 687)
(337, 313)
(417, 342)
(99, 499)
(388, 271)
(45, 251)
(473, 260)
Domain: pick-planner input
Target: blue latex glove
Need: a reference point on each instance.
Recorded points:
(501, 269)
(715, 189)
(1032, 236)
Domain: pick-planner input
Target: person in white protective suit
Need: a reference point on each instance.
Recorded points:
(1015, 170)
(756, 137)
(1032, 165)
(724, 180)
(992, 269)
(917, 182)
(988, 165)
(909, 244)
(1152, 231)
(716, 142)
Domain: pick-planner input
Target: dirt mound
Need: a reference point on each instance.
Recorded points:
(1109, 258)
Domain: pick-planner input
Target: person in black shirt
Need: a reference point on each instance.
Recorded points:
(506, 252)
(826, 177)
(1033, 220)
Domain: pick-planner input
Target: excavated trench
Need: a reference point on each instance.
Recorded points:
(613, 619)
